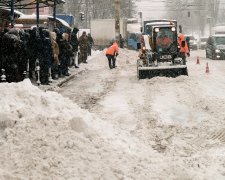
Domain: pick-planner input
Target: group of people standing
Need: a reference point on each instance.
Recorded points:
(53, 52)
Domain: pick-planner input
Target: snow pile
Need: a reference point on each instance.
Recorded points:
(46, 136)
(41, 133)
(162, 128)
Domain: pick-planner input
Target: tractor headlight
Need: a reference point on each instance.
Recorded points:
(156, 29)
(217, 50)
(144, 49)
(173, 29)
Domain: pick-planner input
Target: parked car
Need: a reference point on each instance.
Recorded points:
(202, 42)
(192, 42)
(215, 47)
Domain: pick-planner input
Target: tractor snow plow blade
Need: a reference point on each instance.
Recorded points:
(167, 71)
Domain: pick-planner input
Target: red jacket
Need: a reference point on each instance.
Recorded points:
(112, 49)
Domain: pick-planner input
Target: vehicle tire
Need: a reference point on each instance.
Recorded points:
(137, 69)
(213, 56)
(206, 54)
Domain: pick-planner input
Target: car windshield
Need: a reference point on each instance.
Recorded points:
(220, 40)
(164, 38)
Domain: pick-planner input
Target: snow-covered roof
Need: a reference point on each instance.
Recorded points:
(219, 28)
(33, 16)
(158, 23)
(64, 23)
(15, 11)
(134, 28)
(219, 35)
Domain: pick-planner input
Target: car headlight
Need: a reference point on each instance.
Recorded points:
(217, 51)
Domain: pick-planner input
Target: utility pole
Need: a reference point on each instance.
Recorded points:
(54, 13)
(12, 13)
(37, 13)
(86, 10)
(129, 13)
(117, 19)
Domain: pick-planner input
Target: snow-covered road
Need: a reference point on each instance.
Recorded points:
(107, 124)
(182, 118)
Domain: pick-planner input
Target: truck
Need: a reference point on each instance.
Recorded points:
(133, 35)
(103, 31)
(159, 51)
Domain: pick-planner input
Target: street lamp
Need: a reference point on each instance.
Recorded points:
(209, 21)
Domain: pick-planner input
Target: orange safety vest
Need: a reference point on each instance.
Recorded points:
(112, 49)
(185, 48)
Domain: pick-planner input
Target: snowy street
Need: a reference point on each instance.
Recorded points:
(106, 124)
(181, 118)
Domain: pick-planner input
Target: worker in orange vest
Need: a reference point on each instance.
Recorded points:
(111, 53)
(184, 50)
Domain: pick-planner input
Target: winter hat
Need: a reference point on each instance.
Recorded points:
(75, 30)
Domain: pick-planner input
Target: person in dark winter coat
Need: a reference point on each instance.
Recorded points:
(65, 51)
(90, 44)
(74, 42)
(121, 40)
(45, 55)
(83, 44)
(23, 54)
(32, 53)
(55, 58)
(10, 57)
(111, 53)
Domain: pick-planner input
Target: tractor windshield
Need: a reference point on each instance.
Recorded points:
(164, 39)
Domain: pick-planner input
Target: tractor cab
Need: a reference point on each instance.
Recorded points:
(159, 54)
(164, 40)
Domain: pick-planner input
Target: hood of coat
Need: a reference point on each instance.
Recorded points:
(53, 35)
(66, 36)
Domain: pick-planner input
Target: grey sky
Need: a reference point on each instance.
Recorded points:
(153, 9)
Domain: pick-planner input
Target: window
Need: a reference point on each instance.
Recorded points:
(220, 40)
(164, 38)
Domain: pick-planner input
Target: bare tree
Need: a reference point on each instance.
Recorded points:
(98, 9)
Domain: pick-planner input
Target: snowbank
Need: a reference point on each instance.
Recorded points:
(162, 128)
(46, 136)
(43, 135)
